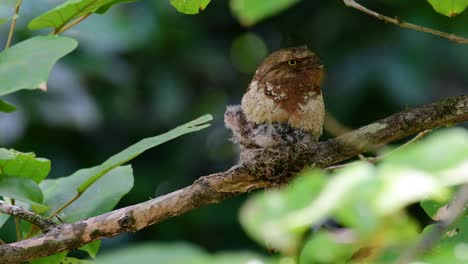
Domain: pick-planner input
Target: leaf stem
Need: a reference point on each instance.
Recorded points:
(68, 26)
(13, 24)
(56, 212)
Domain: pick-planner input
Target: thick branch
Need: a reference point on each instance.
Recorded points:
(261, 168)
(41, 222)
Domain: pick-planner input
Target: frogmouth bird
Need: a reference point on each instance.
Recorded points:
(283, 103)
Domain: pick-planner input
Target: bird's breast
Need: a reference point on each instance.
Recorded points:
(302, 107)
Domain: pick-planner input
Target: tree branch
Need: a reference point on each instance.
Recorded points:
(43, 223)
(259, 168)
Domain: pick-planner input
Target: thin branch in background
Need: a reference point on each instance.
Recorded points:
(72, 24)
(335, 127)
(13, 24)
(454, 210)
(17, 224)
(403, 24)
(26, 215)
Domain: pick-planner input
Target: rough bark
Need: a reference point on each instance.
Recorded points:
(260, 168)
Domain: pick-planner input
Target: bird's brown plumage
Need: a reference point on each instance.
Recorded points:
(286, 89)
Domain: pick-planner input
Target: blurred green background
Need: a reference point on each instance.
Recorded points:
(144, 68)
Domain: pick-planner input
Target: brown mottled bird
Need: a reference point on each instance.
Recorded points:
(283, 103)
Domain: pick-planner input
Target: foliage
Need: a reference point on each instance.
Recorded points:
(31, 59)
(449, 8)
(368, 200)
(176, 253)
(371, 217)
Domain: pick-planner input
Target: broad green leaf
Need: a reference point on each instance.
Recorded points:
(250, 12)
(398, 188)
(133, 151)
(27, 64)
(6, 107)
(92, 248)
(68, 11)
(261, 216)
(238, 257)
(69, 260)
(21, 189)
(326, 247)
(439, 151)
(452, 246)
(100, 198)
(176, 253)
(449, 8)
(190, 6)
(3, 219)
(52, 259)
(103, 9)
(17, 164)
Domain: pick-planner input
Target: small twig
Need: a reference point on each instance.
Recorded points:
(69, 25)
(13, 24)
(454, 210)
(379, 158)
(334, 127)
(397, 21)
(13, 210)
(17, 224)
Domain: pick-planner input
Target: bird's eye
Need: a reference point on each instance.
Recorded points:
(292, 62)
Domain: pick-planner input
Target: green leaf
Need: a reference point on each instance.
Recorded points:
(141, 146)
(398, 188)
(176, 253)
(190, 7)
(21, 189)
(52, 259)
(6, 107)
(326, 247)
(92, 248)
(103, 9)
(250, 12)
(66, 12)
(439, 151)
(431, 207)
(452, 246)
(449, 8)
(100, 198)
(261, 216)
(27, 64)
(6, 19)
(17, 164)
(3, 219)
(69, 260)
